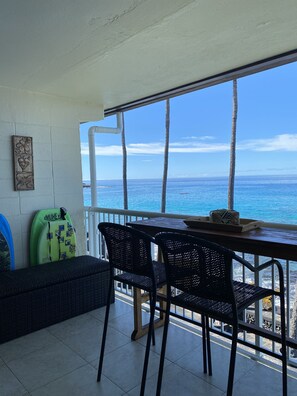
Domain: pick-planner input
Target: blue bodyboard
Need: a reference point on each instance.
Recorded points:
(7, 250)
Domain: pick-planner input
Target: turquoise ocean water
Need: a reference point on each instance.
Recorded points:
(268, 198)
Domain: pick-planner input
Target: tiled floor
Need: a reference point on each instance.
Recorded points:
(62, 360)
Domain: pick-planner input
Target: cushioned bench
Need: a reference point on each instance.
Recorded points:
(36, 297)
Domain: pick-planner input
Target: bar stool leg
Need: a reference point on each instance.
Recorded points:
(163, 349)
(153, 328)
(153, 298)
(104, 330)
(284, 346)
(208, 346)
(204, 344)
(232, 360)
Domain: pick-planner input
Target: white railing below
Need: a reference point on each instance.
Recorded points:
(95, 215)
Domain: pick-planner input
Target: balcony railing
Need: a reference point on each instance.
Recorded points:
(265, 314)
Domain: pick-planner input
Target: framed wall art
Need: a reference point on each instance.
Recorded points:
(23, 163)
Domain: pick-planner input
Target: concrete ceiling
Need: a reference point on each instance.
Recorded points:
(110, 52)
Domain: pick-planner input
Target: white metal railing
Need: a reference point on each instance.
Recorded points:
(265, 314)
(96, 215)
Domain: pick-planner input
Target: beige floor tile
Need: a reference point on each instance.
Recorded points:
(264, 381)
(119, 308)
(45, 365)
(27, 344)
(177, 344)
(80, 382)
(193, 362)
(177, 381)
(124, 366)
(9, 384)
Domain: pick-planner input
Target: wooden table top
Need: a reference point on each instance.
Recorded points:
(264, 241)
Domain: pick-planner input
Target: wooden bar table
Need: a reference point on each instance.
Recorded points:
(277, 242)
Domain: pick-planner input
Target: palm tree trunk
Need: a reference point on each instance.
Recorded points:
(166, 151)
(233, 149)
(124, 150)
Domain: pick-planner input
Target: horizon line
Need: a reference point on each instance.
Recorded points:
(197, 177)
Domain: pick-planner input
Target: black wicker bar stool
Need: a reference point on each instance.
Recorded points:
(129, 251)
(203, 274)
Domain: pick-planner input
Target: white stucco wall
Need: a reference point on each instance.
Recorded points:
(54, 125)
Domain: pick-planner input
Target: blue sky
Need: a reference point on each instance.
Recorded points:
(200, 130)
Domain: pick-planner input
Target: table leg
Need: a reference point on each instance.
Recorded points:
(139, 329)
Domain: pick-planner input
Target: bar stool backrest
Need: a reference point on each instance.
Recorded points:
(129, 250)
(197, 267)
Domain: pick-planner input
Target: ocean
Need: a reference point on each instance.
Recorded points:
(267, 198)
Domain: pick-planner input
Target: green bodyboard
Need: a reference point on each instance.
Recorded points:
(52, 237)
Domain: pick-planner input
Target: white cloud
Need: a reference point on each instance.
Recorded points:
(145, 148)
(102, 150)
(157, 148)
(198, 147)
(206, 137)
(283, 142)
